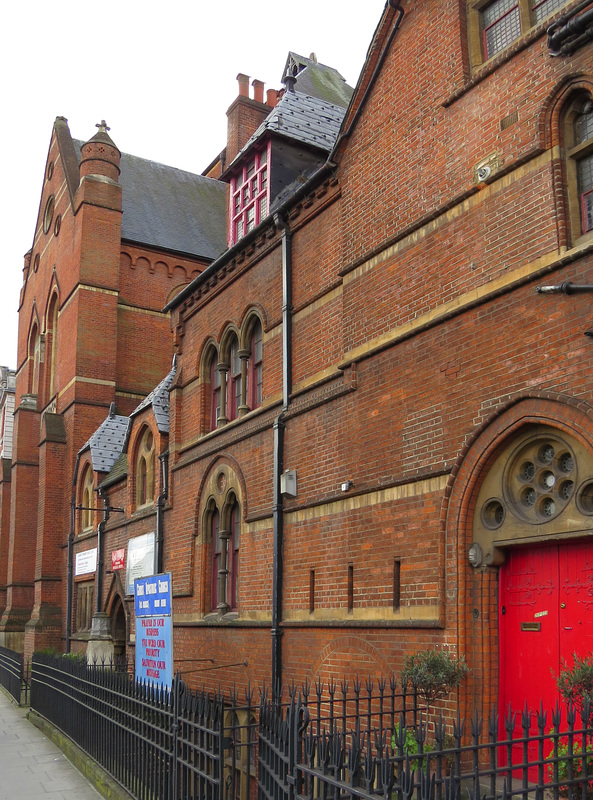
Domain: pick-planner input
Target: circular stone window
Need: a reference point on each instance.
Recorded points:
(540, 479)
(50, 170)
(48, 214)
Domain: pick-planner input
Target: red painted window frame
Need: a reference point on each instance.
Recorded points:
(232, 565)
(255, 369)
(497, 21)
(248, 189)
(585, 226)
(535, 4)
(233, 559)
(233, 382)
(214, 391)
(215, 538)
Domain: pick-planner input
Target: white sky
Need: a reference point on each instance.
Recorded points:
(161, 74)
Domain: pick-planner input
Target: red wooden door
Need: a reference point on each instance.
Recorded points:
(545, 600)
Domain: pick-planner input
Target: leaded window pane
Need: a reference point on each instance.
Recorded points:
(583, 127)
(543, 8)
(502, 25)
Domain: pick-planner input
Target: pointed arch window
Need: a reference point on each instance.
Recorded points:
(224, 585)
(215, 391)
(34, 357)
(578, 135)
(145, 470)
(234, 381)
(86, 500)
(254, 367)
(53, 344)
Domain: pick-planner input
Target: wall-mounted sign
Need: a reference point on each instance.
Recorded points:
(140, 560)
(118, 558)
(152, 596)
(86, 562)
(154, 630)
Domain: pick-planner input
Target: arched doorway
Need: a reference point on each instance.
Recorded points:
(533, 520)
(118, 629)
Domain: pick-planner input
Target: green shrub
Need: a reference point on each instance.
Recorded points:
(575, 683)
(410, 744)
(577, 766)
(433, 674)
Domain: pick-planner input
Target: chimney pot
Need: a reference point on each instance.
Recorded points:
(243, 85)
(271, 97)
(258, 91)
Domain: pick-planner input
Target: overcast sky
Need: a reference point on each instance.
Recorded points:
(161, 74)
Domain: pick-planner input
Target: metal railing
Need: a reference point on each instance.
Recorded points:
(524, 755)
(158, 744)
(12, 675)
(332, 742)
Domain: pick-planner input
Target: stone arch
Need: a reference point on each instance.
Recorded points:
(223, 484)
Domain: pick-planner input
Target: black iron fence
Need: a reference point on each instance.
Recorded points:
(12, 674)
(332, 742)
(158, 744)
(524, 755)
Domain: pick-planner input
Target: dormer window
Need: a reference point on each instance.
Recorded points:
(249, 195)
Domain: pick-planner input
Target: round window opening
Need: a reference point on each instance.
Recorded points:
(540, 479)
(49, 213)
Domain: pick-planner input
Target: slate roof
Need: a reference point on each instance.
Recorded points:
(159, 400)
(318, 80)
(106, 443)
(169, 208)
(303, 118)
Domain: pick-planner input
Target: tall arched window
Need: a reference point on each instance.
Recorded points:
(214, 399)
(216, 558)
(34, 357)
(234, 381)
(579, 152)
(145, 470)
(52, 344)
(225, 534)
(86, 500)
(254, 367)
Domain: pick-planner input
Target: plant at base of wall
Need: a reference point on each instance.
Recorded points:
(575, 683)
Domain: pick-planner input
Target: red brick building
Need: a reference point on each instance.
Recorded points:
(376, 437)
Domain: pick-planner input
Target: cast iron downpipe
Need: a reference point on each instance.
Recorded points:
(570, 32)
(279, 429)
(69, 574)
(160, 506)
(100, 555)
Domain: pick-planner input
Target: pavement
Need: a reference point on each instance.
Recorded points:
(31, 766)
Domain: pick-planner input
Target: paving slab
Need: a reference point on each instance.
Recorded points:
(32, 767)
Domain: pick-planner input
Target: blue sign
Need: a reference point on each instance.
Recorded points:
(154, 629)
(152, 596)
(154, 650)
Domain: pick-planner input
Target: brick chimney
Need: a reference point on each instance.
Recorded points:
(245, 115)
